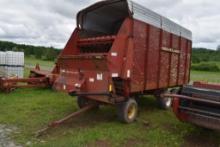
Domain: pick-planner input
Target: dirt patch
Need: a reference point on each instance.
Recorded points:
(100, 143)
(169, 127)
(94, 117)
(5, 140)
(132, 143)
(201, 140)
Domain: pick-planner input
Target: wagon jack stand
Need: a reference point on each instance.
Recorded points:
(57, 123)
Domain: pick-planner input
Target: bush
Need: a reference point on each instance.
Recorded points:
(206, 67)
(195, 59)
(205, 55)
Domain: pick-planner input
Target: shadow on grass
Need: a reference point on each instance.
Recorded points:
(200, 137)
(105, 115)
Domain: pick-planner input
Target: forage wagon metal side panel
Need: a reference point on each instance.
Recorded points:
(140, 49)
(165, 50)
(182, 61)
(152, 66)
(151, 51)
(174, 61)
(188, 61)
(158, 59)
(164, 60)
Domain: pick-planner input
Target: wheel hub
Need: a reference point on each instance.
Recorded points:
(131, 111)
(168, 102)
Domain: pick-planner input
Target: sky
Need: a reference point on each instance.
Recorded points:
(51, 22)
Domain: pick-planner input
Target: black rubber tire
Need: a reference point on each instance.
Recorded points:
(163, 103)
(123, 111)
(83, 102)
(138, 99)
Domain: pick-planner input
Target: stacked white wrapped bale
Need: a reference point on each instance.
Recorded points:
(15, 64)
(2, 64)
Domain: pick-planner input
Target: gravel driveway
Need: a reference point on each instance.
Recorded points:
(5, 140)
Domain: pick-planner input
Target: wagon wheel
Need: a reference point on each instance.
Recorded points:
(9, 90)
(163, 103)
(83, 102)
(127, 111)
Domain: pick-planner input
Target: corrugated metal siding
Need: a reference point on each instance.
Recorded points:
(170, 26)
(143, 14)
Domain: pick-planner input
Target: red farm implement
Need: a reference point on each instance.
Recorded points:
(198, 104)
(118, 51)
(37, 79)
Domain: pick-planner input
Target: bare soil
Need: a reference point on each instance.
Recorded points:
(201, 140)
(100, 143)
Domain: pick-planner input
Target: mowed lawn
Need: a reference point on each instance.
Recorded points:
(32, 109)
(206, 76)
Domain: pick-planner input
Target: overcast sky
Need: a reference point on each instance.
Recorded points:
(51, 22)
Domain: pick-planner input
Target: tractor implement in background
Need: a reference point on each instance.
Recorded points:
(9, 84)
(198, 104)
(37, 79)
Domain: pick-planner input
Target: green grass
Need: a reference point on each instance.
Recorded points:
(33, 61)
(211, 62)
(30, 62)
(207, 66)
(31, 109)
(205, 76)
(28, 109)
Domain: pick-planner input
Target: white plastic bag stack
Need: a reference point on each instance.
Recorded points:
(14, 64)
(2, 64)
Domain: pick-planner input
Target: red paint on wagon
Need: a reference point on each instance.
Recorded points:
(116, 50)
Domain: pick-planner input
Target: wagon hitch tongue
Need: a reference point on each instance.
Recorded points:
(57, 123)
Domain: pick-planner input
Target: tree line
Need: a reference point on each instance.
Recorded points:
(39, 52)
(205, 55)
(49, 53)
(205, 60)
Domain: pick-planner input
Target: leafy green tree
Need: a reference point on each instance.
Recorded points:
(38, 53)
(47, 53)
(50, 54)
